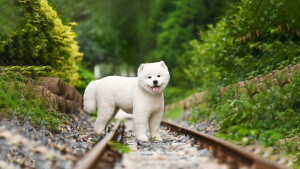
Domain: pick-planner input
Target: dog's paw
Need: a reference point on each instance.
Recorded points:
(157, 138)
(143, 138)
(99, 131)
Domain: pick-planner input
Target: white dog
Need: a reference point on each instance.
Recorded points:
(142, 96)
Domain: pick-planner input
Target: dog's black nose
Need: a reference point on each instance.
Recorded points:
(154, 81)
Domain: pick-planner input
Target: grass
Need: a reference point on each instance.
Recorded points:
(17, 99)
(173, 113)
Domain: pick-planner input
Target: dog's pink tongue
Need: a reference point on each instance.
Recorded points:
(155, 89)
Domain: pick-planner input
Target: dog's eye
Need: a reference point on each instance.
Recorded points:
(158, 75)
(149, 77)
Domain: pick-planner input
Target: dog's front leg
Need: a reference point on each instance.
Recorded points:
(154, 123)
(140, 121)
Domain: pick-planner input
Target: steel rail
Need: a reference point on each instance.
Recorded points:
(91, 158)
(225, 151)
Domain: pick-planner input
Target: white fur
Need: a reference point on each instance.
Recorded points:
(133, 95)
(121, 115)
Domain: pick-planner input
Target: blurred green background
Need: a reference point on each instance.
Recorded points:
(115, 36)
(201, 41)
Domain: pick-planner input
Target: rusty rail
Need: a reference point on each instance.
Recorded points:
(225, 151)
(92, 157)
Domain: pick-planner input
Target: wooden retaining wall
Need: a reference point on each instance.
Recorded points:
(57, 92)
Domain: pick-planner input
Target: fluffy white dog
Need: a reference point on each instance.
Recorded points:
(142, 96)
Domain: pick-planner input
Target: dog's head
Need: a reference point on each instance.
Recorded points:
(153, 77)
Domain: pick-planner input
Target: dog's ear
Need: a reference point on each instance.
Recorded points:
(162, 63)
(141, 68)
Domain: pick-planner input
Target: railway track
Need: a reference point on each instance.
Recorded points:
(94, 157)
(181, 148)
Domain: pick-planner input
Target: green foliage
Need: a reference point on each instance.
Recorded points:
(114, 31)
(119, 31)
(272, 113)
(97, 35)
(28, 71)
(182, 23)
(17, 98)
(203, 70)
(85, 77)
(240, 134)
(119, 147)
(41, 39)
(265, 16)
(9, 19)
(233, 51)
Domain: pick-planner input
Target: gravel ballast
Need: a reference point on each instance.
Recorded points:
(174, 152)
(24, 146)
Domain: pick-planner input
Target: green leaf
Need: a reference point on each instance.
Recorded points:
(119, 147)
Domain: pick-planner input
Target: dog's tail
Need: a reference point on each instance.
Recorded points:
(89, 97)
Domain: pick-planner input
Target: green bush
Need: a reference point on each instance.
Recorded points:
(254, 37)
(41, 39)
(273, 113)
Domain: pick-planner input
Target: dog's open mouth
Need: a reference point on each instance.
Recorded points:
(155, 88)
